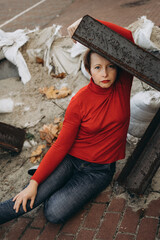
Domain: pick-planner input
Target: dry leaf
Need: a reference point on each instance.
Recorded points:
(57, 120)
(60, 126)
(43, 90)
(39, 60)
(35, 155)
(60, 75)
(52, 93)
(49, 132)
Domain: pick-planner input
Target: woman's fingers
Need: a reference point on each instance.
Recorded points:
(29, 193)
(17, 204)
(32, 202)
(15, 197)
(24, 203)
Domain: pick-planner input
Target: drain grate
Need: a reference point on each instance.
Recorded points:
(135, 3)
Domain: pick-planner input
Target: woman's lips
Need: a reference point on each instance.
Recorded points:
(105, 81)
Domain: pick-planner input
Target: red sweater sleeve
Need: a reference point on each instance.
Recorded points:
(62, 145)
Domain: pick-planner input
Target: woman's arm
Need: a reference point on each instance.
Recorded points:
(57, 152)
(53, 157)
(64, 142)
(122, 31)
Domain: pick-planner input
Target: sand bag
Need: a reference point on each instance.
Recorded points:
(61, 57)
(145, 34)
(10, 42)
(40, 45)
(144, 106)
(78, 50)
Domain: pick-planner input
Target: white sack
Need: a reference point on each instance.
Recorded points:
(144, 106)
(144, 31)
(84, 71)
(40, 45)
(59, 53)
(78, 50)
(6, 105)
(10, 42)
(61, 57)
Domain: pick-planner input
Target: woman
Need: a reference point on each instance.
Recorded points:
(81, 163)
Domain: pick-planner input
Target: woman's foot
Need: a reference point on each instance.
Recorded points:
(32, 170)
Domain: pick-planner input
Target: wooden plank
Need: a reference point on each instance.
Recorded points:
(11, 138)
(119, 50)
(144, 161)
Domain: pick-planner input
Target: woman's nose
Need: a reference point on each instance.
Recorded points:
(105, 72)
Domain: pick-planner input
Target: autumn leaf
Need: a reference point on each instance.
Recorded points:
(60, 75)
(49, 132)
(36, 155)
(57, 120)
(52, 93)
(39, 60)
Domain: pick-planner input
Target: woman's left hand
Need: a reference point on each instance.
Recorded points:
(29, 193)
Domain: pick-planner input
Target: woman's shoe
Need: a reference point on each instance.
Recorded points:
(32, 170)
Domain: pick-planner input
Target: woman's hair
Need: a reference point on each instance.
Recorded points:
(87, 60)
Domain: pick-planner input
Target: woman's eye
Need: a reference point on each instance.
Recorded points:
(97, 67)
(112, 66)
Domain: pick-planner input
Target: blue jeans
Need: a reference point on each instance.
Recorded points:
(66, 190)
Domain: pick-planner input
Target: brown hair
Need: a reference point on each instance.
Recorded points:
(87, 60)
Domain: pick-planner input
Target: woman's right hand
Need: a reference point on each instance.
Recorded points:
(29, 193)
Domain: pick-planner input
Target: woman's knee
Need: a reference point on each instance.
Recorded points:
(53, 214)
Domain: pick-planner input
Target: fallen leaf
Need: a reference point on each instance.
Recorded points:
(57, 120)
(36, 155)
(60, 75)
(52, 93)
(49, 132)
(39, 60)
(60, 126)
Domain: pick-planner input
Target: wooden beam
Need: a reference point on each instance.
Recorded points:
(119, 50)
(144, 161)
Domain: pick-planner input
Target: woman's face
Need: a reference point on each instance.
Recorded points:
(102, 71)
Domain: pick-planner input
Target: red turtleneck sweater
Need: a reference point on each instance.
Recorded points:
(95, 124)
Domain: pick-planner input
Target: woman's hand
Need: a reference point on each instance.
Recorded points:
(29, 193)
(71, 29)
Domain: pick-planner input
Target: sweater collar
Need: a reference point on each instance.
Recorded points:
(99, 90)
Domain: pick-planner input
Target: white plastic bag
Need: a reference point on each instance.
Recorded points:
(144, 106)
(6, 105)
(78, 50)
(141, 31)
(41, 45)
(10, 42)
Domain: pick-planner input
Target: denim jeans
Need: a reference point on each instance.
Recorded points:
(66, 190)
